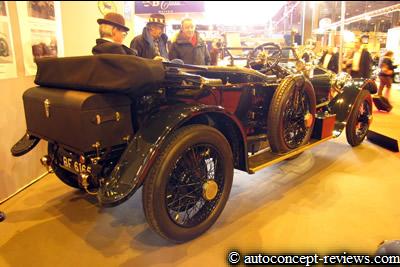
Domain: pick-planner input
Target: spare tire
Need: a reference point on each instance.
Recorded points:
(291, 114)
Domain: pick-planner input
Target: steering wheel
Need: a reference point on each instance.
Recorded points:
(264, 57)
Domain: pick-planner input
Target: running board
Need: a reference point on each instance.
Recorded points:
(267, 158)
(383, 141)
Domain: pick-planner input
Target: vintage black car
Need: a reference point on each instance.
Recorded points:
(114, 123)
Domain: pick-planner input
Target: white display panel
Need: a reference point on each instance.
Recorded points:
(41, 31)
(8, 67)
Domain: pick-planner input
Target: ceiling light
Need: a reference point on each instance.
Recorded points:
(348, 36)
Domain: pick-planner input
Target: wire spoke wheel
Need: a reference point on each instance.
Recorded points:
(291, 114)
(363, 117)
(190, 183)
(198, 166)
(359, 119)
(296, 111)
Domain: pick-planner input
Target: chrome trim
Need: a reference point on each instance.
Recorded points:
(47, 107)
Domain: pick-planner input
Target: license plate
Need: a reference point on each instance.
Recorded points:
(75, 166)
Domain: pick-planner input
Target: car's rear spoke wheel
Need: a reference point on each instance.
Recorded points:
(198, 166)
(189, 183)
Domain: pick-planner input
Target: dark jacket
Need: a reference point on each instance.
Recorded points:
(333, 64)
(388, 63)
(306, 57)
(365, 64)
(183, 49)
(106, 47)
(144, 45)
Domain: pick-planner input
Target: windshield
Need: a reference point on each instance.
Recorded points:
(288, 55)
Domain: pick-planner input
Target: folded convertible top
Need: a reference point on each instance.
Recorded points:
(100, 73)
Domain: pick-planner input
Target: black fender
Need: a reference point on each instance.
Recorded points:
(342, 104)
(136, 161)
(367, 84)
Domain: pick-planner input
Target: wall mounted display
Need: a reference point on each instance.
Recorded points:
(106, 7)
(149, 7)
(8, 68)
(41, 32)
(128, 9)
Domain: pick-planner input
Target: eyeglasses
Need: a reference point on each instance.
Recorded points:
(123, 33)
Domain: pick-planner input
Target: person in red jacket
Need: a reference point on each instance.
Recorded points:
(188, 46)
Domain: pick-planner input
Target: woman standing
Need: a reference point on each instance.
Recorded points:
(386, 74)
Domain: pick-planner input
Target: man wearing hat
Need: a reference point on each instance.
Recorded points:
(112, 33)
(152, 43)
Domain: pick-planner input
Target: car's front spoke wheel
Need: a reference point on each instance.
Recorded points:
(359, 119)
(291, 114)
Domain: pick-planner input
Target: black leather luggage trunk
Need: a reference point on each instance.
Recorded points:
(78, 120)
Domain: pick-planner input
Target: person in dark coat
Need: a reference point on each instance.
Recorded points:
(361, 62)
(152, 43)
(386, 74)
(330, 60)
(112, 33)
(306, 57)
(215, 52)
(188, 46)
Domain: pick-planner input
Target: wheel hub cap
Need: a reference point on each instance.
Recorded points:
(210, 190)
(308, 120)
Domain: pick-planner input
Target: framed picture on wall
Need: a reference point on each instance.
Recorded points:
(5, 41)
(41, 9)
(106, 7)
(41, 31)
(8, 67)
(3, 10)
(44, 43)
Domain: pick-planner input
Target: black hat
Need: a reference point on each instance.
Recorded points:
(157, 19)
(114, 19)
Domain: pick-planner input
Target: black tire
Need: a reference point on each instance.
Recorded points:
(178, 174)
(65, 176)
(359, 119)
(287, 124)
